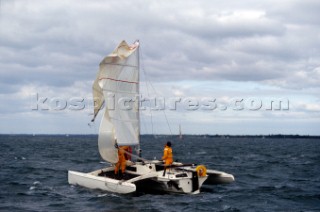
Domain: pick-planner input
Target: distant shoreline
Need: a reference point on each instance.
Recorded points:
(185, 135)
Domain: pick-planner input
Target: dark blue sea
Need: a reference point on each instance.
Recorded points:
(271, 174)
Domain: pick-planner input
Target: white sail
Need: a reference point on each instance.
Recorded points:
(118, 77)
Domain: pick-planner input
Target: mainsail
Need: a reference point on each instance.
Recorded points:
(118, 80)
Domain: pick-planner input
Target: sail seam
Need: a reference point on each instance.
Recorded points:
(118, 80)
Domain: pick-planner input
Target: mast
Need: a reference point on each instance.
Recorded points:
(139, 125)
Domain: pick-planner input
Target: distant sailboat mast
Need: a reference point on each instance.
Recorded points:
(180, 133)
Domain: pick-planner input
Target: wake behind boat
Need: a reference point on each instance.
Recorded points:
(118, 78)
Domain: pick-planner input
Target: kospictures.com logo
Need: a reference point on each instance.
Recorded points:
(141, 102)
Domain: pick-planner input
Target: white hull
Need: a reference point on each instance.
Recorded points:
(149, 177)
(218, 177)
(215, 177)
(92, 181)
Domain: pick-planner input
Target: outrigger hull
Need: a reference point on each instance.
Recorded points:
(215, 177)
(91, 181)
(218, 177)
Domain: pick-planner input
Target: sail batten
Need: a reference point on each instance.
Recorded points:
(118, 75)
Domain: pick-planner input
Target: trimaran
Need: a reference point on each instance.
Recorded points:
(118, 77)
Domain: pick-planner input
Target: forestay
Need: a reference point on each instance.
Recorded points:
(117, 85)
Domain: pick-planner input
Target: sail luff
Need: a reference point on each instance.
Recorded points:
(98, 98)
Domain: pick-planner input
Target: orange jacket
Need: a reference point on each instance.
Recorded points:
(121, 154)
(122, 160)
(167, 153)
(127, 149)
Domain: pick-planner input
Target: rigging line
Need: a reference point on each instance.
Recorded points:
(146, 77)
(142, 118)
(147, 161)
(135, 156)
(150, 111)
(143, 121)
(165, 115)
(94, 129)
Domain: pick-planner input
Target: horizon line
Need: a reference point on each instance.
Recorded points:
(232, 135)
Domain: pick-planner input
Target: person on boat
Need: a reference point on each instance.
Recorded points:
(122, 160)
(167, 154)
(128, 152)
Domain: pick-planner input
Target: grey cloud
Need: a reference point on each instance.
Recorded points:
(194, 37)
(58, 44)
(297, 12)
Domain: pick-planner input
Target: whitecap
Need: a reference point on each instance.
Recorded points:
(108, 195)
(36, 183)
(102, 195)
(114, 195)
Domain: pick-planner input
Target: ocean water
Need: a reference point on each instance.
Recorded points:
(271, 175)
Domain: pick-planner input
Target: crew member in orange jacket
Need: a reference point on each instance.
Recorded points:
(167, 154)
(122, 160)
(128, 152)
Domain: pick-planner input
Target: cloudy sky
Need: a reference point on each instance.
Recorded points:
(223, 51)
